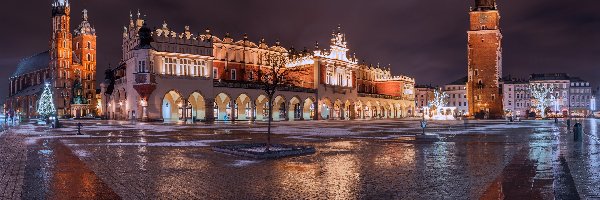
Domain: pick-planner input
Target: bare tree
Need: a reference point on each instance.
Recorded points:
(275, 77)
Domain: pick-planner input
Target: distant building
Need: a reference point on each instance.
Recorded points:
(457, 96)
(423, 94)
(517, 100)
(580, 98)
(561, 83)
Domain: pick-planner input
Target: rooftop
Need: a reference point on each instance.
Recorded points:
(33, 63)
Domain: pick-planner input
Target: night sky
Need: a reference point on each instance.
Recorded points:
(422, 39)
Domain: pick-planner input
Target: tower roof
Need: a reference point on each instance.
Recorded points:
(85, 28)
(485, 4)
(59, 7)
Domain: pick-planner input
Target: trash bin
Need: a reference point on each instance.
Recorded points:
(577, 132)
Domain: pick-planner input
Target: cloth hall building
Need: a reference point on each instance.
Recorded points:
(165, 75)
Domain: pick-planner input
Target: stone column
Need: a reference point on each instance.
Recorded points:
(301, 107)
(252, 111)
(209, 110)
(233, 110)
(352, 113)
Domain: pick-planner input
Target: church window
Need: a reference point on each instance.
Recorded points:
(233, 74)
(89, 45)
(251, 75)
(89, 57)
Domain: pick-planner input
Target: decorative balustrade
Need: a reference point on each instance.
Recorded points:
(384, 96)
(169, 76)
(258, 86)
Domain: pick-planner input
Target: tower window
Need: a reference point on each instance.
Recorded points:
(89, 57)
(89, 45)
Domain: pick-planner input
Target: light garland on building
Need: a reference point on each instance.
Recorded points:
(542, 97)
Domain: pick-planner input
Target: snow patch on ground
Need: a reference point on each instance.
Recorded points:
(244, 163)
(81, 153)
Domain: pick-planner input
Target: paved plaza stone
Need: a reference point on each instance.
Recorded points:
(354, 160)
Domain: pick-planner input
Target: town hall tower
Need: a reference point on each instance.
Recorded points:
(484, 90)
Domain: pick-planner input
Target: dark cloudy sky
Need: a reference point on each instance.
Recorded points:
(423, 39)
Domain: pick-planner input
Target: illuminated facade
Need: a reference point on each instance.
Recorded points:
(457, 96)
(484, 61)
(169, 76)
(69, 65)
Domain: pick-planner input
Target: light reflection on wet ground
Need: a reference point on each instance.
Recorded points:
(487, 161)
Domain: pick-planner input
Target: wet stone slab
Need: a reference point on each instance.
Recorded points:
(354, 160)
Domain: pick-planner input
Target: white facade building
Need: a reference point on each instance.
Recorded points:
(457, 96)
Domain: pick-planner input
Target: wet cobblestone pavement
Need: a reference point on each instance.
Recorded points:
(354, 160)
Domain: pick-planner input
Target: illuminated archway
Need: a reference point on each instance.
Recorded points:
(326, 109)
(295, 111)
(244, 107)
(222, 107)
(171, 106)
(197, 106)
(262, 107)
(279, 108)
(309, 110)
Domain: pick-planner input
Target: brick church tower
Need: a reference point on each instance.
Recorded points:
(61, 56)
(484, 90)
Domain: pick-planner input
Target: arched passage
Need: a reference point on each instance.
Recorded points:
(222, 107)
(279, 108)
(295, 109)
(197, 106)
(309, 109)
(348, 110)
(359, 110)
(326, 109)
(337, 109)
(369, 110)
(262, 107)
(171, 106)
(244, 107)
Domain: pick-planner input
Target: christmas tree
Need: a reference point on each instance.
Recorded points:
(46, 104)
